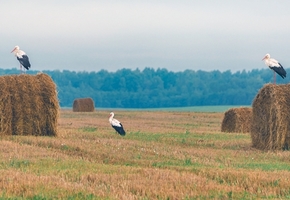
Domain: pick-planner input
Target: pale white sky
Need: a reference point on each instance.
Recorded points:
(91, 35)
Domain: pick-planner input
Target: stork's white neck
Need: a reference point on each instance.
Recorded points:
(111, 117)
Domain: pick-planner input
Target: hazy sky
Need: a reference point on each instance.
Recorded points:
(91, 35)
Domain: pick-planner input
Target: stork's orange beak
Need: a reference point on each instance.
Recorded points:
(264, 58)
(13, 50)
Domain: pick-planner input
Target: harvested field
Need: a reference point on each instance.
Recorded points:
(165, 155)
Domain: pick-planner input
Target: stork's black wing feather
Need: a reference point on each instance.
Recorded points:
(24, 61)
(120, 129)
(279, 70)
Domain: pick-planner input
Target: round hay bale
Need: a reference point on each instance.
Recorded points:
(28, 105)
(237, 120)
(270, 128)
(83, 105)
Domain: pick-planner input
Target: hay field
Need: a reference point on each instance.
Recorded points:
(165, 155)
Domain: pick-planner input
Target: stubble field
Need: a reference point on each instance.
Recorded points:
(165, 155)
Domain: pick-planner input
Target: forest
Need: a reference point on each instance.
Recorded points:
(156, 88)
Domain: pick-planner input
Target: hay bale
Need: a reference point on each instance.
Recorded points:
(271, 118)
(28, 105)
(83, 105)
(237, 120)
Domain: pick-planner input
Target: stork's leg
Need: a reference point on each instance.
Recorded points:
(274, 78)
(21, 69)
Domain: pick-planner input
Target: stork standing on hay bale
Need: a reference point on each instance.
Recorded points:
(21, 57)
(275, 66)
(116, 124)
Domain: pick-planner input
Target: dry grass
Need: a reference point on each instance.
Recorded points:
(165, 155)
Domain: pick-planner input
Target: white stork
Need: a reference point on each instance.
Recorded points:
(116, 124)
(21, 57)
(275, 66)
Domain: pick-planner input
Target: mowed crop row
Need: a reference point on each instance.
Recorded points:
(164, 155)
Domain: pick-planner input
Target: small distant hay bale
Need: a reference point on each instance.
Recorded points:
(83, 105)
(237, 120)
(271, 118)
(28, 105)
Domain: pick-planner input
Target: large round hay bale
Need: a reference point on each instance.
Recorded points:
(271, 118)
(237, 120)
(83, 105)
(28, 105)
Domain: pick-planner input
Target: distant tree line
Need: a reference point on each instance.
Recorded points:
(150, 88)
